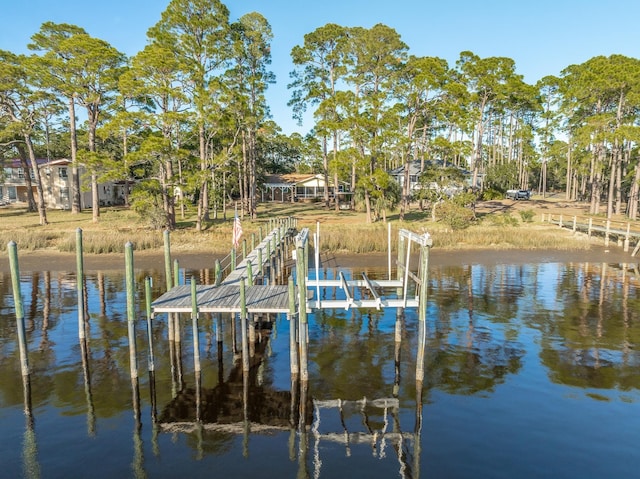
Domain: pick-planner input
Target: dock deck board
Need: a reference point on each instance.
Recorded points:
(224, 299)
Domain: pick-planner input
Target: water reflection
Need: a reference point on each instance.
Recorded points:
(496, 339)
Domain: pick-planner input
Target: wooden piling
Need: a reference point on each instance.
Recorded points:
(243, 326)
(19, 307)
(176, 272)
(80, 284)
(301, 274)
(147, 294)
(218, 272)
(293, 344)
(194, 324)
(131, 314)
(627, 238)
(167, 259)
(249, 273)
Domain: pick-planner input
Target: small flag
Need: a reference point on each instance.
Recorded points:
(237, 231)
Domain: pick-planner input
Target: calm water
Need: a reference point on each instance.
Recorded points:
(530, 371)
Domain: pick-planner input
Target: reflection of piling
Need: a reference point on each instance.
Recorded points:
(91, 417)
(131, 314)
(17, 299)
(80, 283)
(31, 467)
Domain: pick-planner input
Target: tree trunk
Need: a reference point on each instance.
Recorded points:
(31, 202)
(76, 204)
(42, 210)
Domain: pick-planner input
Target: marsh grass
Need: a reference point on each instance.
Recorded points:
(346, 232)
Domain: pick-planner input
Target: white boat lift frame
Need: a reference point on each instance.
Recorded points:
(375, 287)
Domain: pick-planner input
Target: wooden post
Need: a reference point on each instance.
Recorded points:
(389, 247)
(147, 295)
(249, 273)
(301, 260)
(424, 276)
(244, 248)
(626, 238)
(194, 325)
(80, 284)
(606, 233)
(218, 272)
(167, 259)
(19, 307)
(560, 222)
(176, 272)
(131, 313)
(243, 326)
(401, 257)
(253, 241)
(293, 344)
(260, 263)
(589, 229)
(233, 259)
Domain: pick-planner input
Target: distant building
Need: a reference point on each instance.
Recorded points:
(298, 187)
(56, 185)
(415, 170)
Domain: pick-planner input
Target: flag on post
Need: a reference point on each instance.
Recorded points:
(237, 231)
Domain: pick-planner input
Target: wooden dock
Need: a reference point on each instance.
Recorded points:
(224, 299)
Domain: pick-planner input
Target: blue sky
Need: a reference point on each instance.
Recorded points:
(542, 36)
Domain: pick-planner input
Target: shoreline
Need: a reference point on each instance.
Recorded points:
(147, 260)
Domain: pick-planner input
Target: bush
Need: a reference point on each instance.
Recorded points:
(492, 194)
(453, 215)
(527, 215)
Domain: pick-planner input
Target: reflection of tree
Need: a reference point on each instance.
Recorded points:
(349, 354)
(470, 353)
(589, 341)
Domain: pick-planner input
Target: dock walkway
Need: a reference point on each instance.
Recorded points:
(225, 297)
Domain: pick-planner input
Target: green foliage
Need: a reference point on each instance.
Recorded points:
(454, 215)
(491, 194)
(146, 202)
(527, 215)
(502, 177)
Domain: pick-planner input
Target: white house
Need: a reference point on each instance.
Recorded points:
(297, 187)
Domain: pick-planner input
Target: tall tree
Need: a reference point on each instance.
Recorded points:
(155, 81)
(197, 32)
(320, 66)
(56, 74)
(20, 109)
(251, 37)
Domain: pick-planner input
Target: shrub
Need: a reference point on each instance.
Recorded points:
(527, 215)
(453, 215)
(492, 194)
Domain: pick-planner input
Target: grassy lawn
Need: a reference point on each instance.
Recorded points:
(500, 225)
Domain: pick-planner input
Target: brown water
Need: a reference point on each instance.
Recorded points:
(530, 371)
